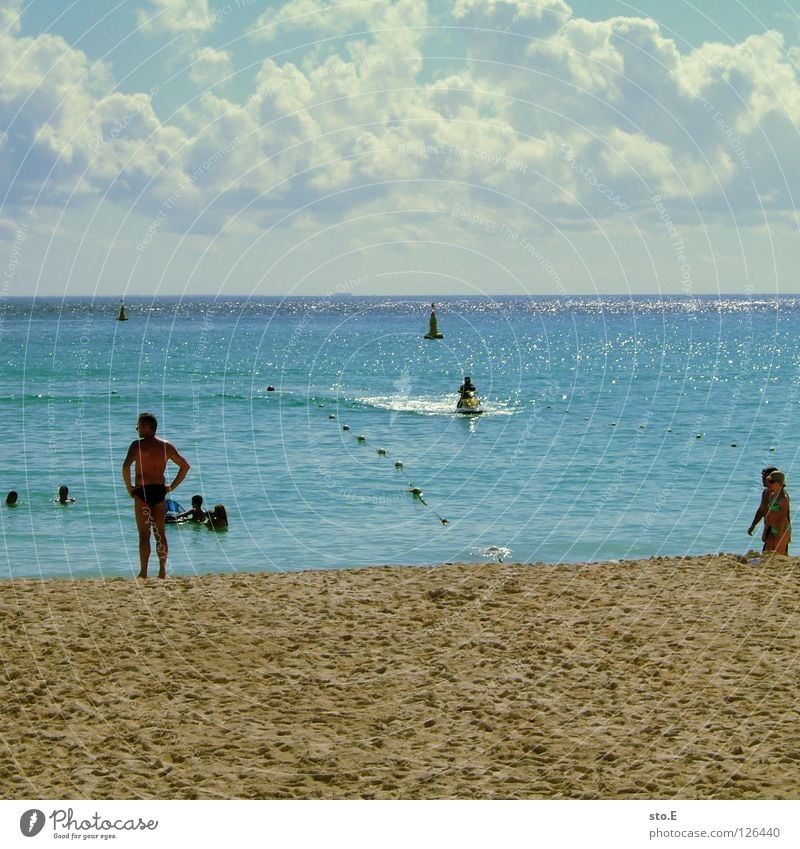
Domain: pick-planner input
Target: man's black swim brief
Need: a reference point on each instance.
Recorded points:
(152, 494)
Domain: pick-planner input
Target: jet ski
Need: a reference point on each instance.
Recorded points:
(468, 401)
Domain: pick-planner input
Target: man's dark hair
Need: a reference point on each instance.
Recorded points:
(150, 419)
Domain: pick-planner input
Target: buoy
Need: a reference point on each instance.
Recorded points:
(733, 445)
(433, 326)
(331, 416)
(381, 452)
(398, 464)
(345, 427)
(361, 438)
(270, 388)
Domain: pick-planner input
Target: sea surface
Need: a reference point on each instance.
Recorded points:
(614, 427)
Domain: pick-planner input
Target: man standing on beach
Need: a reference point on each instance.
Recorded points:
(150, 454)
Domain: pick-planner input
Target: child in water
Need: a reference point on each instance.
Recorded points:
(196, 514)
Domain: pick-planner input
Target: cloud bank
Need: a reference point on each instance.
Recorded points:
(515, 111)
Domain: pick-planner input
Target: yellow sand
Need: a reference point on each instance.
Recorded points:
(662, 678)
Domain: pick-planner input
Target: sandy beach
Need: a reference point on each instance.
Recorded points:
(659, 678)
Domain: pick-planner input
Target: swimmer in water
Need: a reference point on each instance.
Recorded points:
(196, 514)
(63, 496)
(217, 519)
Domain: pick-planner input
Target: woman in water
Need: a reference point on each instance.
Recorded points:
(217, 519)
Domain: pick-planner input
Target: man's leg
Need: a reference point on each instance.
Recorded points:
(159, 516)
(143, 520)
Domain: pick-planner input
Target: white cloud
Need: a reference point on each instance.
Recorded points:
(373, 41)
(323, 17)
(69, 134)
(10, 14)
(172, 17)
(210, 68)
(538, 18)
(47, 92)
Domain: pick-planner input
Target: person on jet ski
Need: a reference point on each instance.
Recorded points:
(466, 387)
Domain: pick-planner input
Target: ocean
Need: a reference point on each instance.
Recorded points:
(614, 428)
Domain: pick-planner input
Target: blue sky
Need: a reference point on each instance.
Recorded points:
(399, 146)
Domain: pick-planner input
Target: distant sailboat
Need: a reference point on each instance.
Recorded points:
(121, 316)
(433, 327)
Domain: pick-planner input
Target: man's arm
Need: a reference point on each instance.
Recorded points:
(126, 469)
(181, 463)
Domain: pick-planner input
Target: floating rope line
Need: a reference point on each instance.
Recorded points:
(420, 496)
(415, 491)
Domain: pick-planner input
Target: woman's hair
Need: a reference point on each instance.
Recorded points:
(217, 519)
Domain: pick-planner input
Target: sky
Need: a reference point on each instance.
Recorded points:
(413, 147)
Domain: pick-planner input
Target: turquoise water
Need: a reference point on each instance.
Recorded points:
(608, 432)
